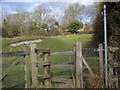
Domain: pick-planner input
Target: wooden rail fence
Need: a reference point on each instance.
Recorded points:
(78, 63)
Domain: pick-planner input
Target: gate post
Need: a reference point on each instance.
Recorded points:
(27, 72)
(78, 65)
(35, 83)
(101, 60)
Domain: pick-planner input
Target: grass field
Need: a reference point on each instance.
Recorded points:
(15, 77)
(55, 43)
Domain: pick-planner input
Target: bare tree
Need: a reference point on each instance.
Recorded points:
(73, 11)
(90, 13)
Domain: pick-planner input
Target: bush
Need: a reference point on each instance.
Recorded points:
(44, 26)
(4, 33)
(74, 25)
(15, 30)
(36, 32)
(4, 28)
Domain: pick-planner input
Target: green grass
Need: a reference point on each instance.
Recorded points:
(56, 44)
(64, 43)
(7, 41)
(61, 43)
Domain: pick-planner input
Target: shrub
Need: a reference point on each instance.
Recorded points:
(74, 25)
(44, 26)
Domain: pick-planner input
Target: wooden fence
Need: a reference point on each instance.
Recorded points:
(78, 63)
(45, 63)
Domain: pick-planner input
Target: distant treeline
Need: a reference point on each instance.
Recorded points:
(42, 21)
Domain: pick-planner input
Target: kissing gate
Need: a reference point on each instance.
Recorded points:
(44, 81)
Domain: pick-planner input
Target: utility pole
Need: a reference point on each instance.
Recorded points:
(106, 50)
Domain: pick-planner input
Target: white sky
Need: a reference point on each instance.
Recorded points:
(84, 1)
(47, 0)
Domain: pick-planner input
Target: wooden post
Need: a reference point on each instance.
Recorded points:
(101, 60)
(78, 68)
(74, 65)
(35, 82)
(46, 70)
(27, 72)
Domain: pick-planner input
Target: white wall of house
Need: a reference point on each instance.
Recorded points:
(82, 29)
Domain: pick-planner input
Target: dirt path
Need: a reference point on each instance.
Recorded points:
(26, 42)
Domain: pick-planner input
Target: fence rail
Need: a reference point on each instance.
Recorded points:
(23, 53)
(92, 49)
(17, 53)
(63, 53)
